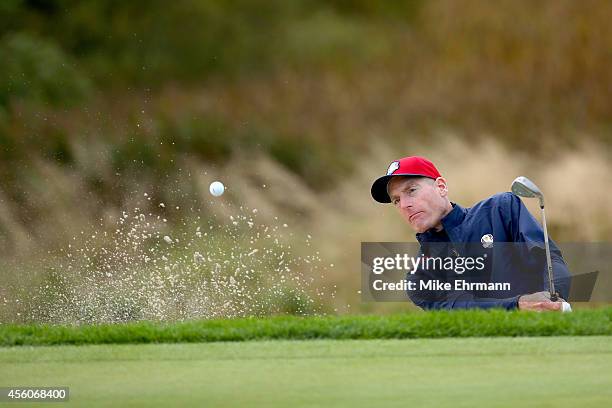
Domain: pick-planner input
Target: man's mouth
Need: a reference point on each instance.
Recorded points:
(411, 218)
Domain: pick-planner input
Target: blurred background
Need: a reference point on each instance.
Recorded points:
(110, 108)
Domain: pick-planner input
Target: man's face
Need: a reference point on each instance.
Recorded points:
(421, 201)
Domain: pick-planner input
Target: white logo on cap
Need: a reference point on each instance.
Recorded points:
(392, 167)
(487, 241)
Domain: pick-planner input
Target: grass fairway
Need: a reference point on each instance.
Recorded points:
(458, 372)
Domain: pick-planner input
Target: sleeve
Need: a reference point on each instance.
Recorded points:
(523, 227)
(451, 299)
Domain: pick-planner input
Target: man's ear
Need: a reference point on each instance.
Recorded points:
(441, 186)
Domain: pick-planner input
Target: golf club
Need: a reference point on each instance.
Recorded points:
(523, 187)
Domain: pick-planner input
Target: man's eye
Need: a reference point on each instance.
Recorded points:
(395, 201)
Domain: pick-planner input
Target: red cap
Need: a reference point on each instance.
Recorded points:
(408, 166)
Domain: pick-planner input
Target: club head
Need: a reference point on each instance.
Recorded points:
(523, 187)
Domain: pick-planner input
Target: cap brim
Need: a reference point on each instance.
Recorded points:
(379, 190)
(379, 187)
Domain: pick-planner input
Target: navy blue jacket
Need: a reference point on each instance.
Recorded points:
(505, 217)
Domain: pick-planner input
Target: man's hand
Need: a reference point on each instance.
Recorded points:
(539, 302)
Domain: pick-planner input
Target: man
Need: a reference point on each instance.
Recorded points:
(416, 188)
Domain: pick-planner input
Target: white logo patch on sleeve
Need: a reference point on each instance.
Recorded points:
(487, 241)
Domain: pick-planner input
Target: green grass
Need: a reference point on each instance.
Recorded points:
(471, 323)
(487, 372)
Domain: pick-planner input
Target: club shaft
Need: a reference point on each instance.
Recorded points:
(551, 283)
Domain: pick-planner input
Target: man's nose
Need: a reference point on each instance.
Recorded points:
(405, 201)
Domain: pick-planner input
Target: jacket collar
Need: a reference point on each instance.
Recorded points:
(451, 220)
(454, 218)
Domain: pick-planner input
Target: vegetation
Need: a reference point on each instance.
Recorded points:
(414, 325)
(102, 101)
(306, 82)
(485, 372)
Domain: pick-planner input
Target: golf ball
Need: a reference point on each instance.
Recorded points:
(216, 188)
